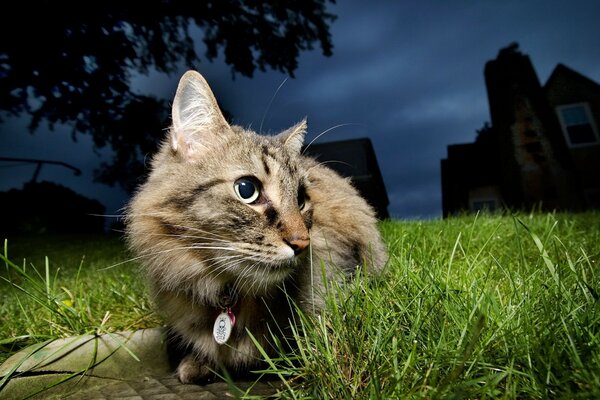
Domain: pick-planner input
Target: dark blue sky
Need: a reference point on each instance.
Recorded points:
(407, 74)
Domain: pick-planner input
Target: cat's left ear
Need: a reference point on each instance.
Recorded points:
(293, 138)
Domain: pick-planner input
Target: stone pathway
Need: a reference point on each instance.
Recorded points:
(126, 365)
(169, 388)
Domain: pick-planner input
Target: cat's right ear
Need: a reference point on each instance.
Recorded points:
(197, 119)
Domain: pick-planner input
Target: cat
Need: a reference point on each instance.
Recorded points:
(232, 227)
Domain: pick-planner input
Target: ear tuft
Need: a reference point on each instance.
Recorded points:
(197, 119)
(293, 138)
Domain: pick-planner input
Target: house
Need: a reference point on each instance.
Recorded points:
(542, 149)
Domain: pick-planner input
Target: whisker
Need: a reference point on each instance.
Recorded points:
(192, 228)
(326, 162)
(187, 228)
(270, 103)
(246, 273)
(153, 254)
(132, 259)
(107, 215)
(174, 235)
(328, 130)
(225, 267)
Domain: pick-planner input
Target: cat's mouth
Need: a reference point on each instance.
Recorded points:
(270, 270)
(279, 265)
(252, 268)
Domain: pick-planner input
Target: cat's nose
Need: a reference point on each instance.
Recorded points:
(297, 243)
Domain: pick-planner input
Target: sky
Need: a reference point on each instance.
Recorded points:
(408, 75)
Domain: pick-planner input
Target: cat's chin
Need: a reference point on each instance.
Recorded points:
(276, 272)
(263, 278)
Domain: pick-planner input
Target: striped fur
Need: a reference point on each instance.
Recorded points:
(197, 239)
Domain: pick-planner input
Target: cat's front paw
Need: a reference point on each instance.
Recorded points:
(191, 371)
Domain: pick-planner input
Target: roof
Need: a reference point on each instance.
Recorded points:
(570, 73)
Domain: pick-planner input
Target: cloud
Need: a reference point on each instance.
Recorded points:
(407, 74)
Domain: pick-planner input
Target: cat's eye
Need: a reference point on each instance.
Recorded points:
(247, 189)
(301, 197)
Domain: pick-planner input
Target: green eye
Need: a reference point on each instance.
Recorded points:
(247, 189)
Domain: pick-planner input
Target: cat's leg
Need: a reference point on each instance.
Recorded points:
(194, 369)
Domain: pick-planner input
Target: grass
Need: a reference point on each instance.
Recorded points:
(470, 307)
(59, 286)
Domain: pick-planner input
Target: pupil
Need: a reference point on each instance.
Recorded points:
(301, 196)
(246, 189)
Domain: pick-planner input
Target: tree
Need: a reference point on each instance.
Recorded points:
(71, 62)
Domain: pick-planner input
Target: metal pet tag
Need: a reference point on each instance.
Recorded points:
(223, 327)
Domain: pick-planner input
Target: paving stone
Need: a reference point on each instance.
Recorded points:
(200, 396)
(108, 355)
(114, 373)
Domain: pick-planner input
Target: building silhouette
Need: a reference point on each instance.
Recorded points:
(542, 149)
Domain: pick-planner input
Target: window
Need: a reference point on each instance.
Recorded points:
(577, 124)
(483, 205)
(484, 198)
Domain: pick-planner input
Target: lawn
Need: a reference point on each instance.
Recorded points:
(469, 307)
(63, 285)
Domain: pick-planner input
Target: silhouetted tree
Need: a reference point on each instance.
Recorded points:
(71, 62)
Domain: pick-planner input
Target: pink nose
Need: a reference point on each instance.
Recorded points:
(298, 244)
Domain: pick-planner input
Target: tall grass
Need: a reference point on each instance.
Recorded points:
(469, 307)
(81, 287)
(488, 307)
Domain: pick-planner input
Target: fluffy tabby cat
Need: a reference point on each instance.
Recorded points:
(230, 220)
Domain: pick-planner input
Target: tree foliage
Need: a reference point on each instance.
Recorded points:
(72, 62)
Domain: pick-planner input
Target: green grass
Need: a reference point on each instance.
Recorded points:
(60, 286)
(469, 307)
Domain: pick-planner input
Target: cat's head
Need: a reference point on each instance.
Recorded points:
(232, 204)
